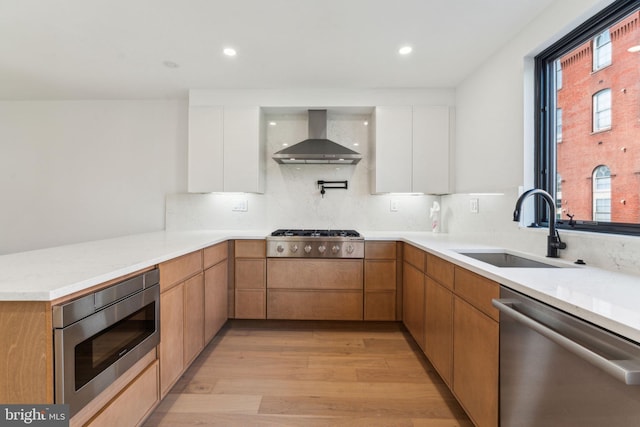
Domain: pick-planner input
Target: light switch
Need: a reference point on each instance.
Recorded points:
(394, 205)
(474, 205)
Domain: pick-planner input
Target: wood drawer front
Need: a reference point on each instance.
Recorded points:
(179, 269)
(250, 249)
(250, 273)
(414, 256)
(215, 254)
(314, 274)
(133, 404)
(379, 275)
(477, 290)
(380, 250)
(314, 305)
(440, 270)
(250, 304)
(380, 305)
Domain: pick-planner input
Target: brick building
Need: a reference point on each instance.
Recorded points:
(598, 126)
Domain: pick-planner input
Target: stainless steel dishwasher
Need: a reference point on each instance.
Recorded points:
(558, 370)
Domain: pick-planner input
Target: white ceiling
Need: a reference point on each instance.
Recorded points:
(104, 49)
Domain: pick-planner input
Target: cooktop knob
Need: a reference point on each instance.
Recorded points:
(335, 249)
(322, 248)
(280, 248)
(294, 248)
(307, 248)
(350, 249)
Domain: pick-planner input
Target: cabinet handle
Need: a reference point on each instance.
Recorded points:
(627, 371)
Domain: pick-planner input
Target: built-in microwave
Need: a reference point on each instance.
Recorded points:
(101, 335)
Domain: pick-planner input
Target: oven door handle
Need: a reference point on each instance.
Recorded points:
(626, 371)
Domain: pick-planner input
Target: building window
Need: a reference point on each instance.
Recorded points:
(558, 196)
(601, 194)
(588, 104)
(559, 125)
(602, 110)
(602, 50)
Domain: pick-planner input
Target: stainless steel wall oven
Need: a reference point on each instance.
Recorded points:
(101, 335)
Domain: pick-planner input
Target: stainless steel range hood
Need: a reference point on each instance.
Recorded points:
(317, 149)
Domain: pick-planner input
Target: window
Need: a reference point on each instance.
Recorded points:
(602, 110)
(599, 157)
(602, 194)
(601, 50)
(559, 125)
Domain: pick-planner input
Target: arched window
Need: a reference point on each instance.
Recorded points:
(602, 110)
(601, 50)
(602, 193)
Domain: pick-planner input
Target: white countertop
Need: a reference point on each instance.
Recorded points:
(608, 299)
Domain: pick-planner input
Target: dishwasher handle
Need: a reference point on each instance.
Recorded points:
(627, 371)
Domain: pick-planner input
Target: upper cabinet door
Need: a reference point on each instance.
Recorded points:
(205, 154)
(431, 150)
(244, 148)
(411, 151)
(391, 151)
(226, 149)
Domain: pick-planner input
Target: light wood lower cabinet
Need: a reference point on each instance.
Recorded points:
(250, 279)
(171, 337)
(380, 278)
(133, 404)
(193, 317)
(475, 363)
(438, 344)
(215, 299)
(476, 335)
(413, 302)
(314, 289)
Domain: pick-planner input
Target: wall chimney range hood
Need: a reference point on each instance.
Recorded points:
(317, 149)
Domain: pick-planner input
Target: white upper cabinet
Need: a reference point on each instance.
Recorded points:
(410, 152)
(391, 151)
(226, 149)
(431, 150)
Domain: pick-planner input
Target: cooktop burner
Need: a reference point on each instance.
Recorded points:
(315, 244)
(314, 233)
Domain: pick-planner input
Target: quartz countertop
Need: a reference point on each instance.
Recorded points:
(605, 298)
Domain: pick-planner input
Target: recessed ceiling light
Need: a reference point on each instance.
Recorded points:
(366, 123)
(170, 64)
(355, 144)
(229, 51)
(284, 144)
(405, 50)
(272, 123)
(634, 49)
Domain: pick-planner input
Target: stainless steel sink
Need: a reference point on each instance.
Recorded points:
(507, 260)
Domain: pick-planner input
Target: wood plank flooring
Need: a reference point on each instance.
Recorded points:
(277, 373)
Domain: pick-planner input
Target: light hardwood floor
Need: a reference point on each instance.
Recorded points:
(276, 373)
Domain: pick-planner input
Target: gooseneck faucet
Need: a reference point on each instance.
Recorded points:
(553, 239)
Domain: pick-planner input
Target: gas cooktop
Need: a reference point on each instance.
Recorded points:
(314, 233)
(309, 243)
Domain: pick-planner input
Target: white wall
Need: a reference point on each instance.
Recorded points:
(74, 171)
(292, 198)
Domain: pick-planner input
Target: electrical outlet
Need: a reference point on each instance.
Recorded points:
(240, 205)
(394, 205)
(474, 205)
